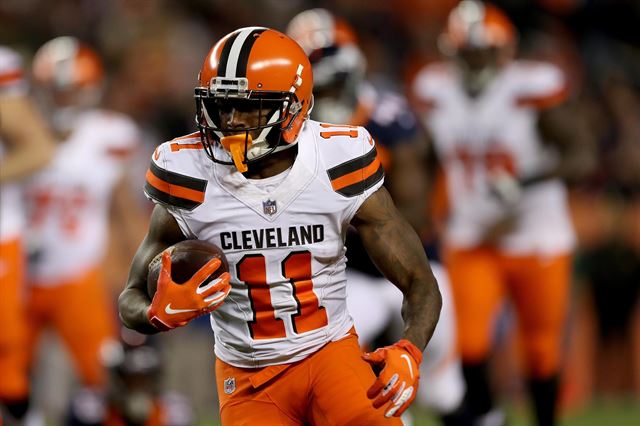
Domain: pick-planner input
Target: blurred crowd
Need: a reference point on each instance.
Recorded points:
(152, 51)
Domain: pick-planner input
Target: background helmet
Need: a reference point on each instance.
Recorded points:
(338, 62)
(481, 37)
(68, 75)
(253, 68)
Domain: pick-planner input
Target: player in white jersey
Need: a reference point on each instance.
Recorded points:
(503, 142)
(342, 94)
(25, 146)
(70, 203)
(278, 197)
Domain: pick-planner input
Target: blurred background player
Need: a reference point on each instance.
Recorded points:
(342, 94)
(505, 142)
(25, 146)
(133, 393)
(69, 205)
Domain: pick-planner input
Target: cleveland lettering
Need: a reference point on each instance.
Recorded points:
(272, 237)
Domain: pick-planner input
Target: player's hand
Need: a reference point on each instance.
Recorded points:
(398, 379)
(174, 305)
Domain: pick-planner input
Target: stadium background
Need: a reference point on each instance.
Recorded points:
(153, 49)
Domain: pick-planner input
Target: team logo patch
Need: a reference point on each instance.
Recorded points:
(229, 385)
(269, 207)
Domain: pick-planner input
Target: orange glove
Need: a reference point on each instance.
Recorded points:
(174, 305)
(398, 380)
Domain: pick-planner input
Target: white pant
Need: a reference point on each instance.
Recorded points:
(375, 302)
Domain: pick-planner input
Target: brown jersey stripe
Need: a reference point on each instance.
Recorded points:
(363, 185)
(174, 190)
(168, 199)
(356, 176)
(176, 179)
(352, 165)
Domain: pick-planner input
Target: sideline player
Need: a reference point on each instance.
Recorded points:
(504, 140)
(69, 205)
(343, 95)
(277, 198)
(25, 146)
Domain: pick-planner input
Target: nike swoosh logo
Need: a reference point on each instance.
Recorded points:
(169, 310)
(406, 358)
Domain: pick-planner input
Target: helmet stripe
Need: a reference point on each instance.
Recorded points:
(243, 58)
(237, 48)
(224, 56)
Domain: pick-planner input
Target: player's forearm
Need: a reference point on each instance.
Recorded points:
(132, 306)
(421, 310)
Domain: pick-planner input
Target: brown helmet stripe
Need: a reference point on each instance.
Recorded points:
(224, 56)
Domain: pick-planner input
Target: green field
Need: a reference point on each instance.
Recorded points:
(598, 414)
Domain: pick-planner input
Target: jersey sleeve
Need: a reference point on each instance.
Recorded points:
(427, 86)
(543, 86)
(175, 191)
(124, 138)
(352, 163)
(12, 81)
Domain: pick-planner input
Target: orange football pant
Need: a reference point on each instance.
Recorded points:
(327, 388)
(538, 287)
(80, 311)
(14, 382)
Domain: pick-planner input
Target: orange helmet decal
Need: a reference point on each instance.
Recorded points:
(478, 25)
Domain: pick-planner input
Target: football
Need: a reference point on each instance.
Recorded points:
(186, 259)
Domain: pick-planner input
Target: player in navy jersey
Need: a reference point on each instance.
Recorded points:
(344, 95)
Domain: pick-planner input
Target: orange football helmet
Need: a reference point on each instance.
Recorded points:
(482, 40)
(253, 68)
(68, 75)
(338, 63)
(65, 63)
(474, 24)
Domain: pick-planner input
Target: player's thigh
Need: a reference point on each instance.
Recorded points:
(340, 379)
(477, 288)
(367, 305)
(85, 323)
(13, 355)
(280, 400)
(540, 291)
(11, 292)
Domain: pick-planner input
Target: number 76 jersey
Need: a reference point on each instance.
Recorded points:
(283, 237)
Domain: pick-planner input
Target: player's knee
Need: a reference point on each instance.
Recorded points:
(543, 356)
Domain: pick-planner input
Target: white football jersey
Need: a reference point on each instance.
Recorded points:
(12, 83)
(497, 130)
(69, 201)
(283, 237)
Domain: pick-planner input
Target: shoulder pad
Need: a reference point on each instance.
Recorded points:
(11, 71)
(350, 156)
(539, 84)
(176, 177)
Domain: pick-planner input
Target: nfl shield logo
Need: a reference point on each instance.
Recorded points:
(269, 207)
(229, 385)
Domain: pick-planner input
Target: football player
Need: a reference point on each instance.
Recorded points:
(25, 146)
(505, 141)
(276, 191)
(342, 94)
(69, 205)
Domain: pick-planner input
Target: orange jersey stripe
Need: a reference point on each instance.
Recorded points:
(10, 77)
(174, 190)
(356, 176)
